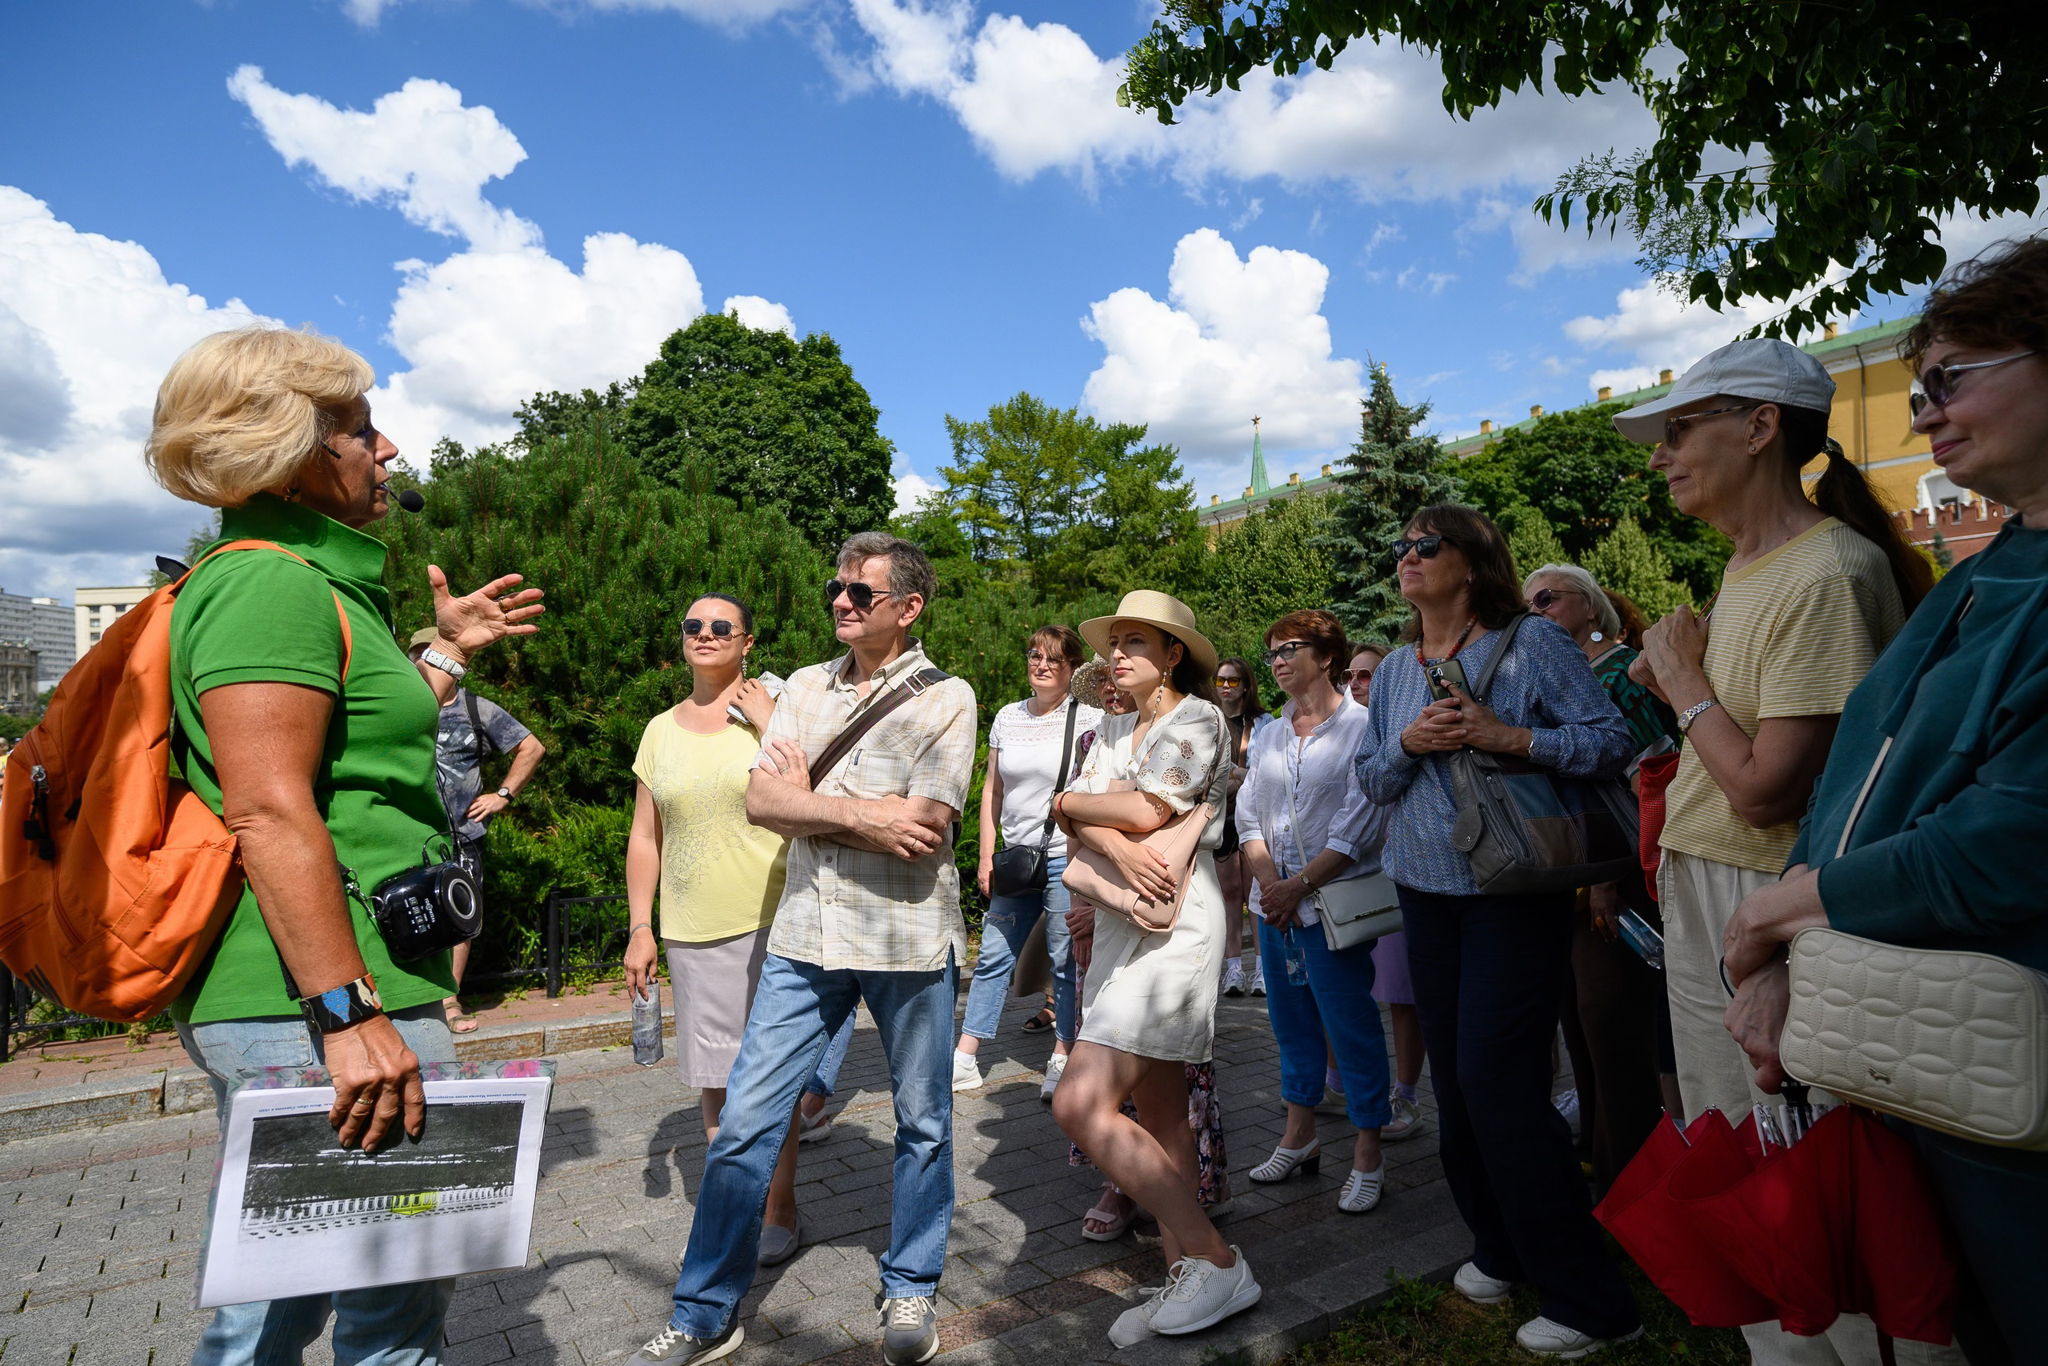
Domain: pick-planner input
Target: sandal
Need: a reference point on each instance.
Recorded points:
(459, 1022)
(1118, 1224)
(1040, 1022)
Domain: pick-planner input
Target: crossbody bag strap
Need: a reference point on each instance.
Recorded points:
(844, 742)
(1059, 782)
(476, 726)
(1507, 640)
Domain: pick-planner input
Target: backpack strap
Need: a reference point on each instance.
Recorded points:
(348, 639)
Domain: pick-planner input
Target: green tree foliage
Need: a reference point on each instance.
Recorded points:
(1532, 540)
(1630, 563)
(1073, 504)
(751, 416)
(1390, 473)
(1585, 479)
(1275, 561)
(619, 556)
(1831, 103)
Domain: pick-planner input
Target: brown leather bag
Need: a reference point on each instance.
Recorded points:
(1093, 878)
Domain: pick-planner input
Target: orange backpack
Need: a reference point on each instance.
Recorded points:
(115, 878)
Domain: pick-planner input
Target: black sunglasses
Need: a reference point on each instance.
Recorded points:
(697, 626)
(859, 594)
(1543, 597)
(1938, 382)
(1286, 649)
(1425, 546)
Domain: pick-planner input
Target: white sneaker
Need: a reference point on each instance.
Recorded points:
(1406, 1123)
(966, 1074)
(1199, 1293)
(1547, 1337)
(1233, 977)
(1055, 1068)
(1134, 1325)
(1480, 1288)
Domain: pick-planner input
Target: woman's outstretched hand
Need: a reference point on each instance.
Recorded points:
(476, 620)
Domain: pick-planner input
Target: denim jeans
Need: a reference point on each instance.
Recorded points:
(1489, 977)
(1003, 932)
(797, 1009)
(389, 1325)
(1336, 1005)
(825, 1080)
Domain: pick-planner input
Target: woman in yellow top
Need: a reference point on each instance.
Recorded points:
(720, 877)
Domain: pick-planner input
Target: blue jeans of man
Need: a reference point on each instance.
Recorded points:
(1003, 931)
(1489, 975)
(825, 1080)
(797, 1009)
(387, 1325)
(1334, 1006)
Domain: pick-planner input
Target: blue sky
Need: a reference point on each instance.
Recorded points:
(488, 197)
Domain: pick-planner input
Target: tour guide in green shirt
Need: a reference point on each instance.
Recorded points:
(324, 774)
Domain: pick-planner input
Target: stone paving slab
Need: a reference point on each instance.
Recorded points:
(100, 1229)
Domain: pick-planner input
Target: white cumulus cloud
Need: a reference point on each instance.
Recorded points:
(1652, 329)
(1236, 336)
(727, 14)
(418, 148)
(88, 326)
(760, 314)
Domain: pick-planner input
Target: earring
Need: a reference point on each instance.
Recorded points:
(291, 495)
(1598, 637)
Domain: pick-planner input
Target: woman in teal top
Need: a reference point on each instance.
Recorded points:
(1925, 826)
(301, 722)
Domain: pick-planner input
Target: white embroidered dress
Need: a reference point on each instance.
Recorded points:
(1155, 994)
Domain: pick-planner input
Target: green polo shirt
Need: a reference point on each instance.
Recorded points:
(259, 617)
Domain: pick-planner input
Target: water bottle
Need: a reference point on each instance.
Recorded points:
(1297, 966)
(1641, 936)
(647, 1024)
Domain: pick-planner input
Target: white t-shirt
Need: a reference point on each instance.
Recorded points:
(1025, 750)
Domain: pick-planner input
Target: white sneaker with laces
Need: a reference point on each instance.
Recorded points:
(966, 1072)
(1233, 977)
(1055, 1068)
(1199, 1294)
(1480, 1288)
(1134, 1325)
(1407, 1121)
(910, 1330)
(1547, 1337)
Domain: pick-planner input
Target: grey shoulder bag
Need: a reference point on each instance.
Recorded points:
(1020, 869)
(1352, 910)
(1529, 830)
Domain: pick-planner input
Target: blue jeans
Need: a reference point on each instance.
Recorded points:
(1336, 1005)
(1489, 975)
(388, 1325)
(825, 1080)
(797, 1009)
(1003, 932)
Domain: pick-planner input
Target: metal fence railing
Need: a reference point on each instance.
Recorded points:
(576, 938)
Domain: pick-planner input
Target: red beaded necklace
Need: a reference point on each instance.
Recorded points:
(1463, 636)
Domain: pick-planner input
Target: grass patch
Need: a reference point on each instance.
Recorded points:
(1428, 1321)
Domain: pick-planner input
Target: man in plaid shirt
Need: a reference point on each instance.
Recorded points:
(870, 912)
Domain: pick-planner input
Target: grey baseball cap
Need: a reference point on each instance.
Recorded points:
(1760, 368)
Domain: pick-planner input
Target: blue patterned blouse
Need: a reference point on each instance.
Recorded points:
(1544, 684)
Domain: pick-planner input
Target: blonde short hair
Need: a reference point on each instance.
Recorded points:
(241, 411)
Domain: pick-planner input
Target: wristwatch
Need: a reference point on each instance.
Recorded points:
(340, 1007)
(442, 662)
(506, 793)
(1694, 713)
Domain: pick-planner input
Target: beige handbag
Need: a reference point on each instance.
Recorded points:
(1948, 1039)
(1093, 878)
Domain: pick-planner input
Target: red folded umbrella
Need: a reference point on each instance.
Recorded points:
(1842, 1222)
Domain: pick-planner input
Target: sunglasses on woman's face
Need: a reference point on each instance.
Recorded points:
(1425, 546)
(697, 626)
(1938, 382)
(1356, 675)
(1286, 649)
(859, 594)
(1543, 597)
(1229, 681)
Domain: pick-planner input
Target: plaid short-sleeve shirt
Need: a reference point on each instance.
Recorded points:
(847, 908)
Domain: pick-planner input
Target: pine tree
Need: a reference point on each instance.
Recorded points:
(1388, 476)
(1630, 564)
(1532, 540)
(1271, 563)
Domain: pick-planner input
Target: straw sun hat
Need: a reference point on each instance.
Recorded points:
(1162, 610)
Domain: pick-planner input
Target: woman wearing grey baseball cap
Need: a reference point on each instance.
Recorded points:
(1818, 585)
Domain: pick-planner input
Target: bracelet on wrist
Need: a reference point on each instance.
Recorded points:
(642, 925)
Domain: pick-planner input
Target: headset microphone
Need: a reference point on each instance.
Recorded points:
(410, 500)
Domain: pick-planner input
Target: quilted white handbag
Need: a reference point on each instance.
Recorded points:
(1952, 1040)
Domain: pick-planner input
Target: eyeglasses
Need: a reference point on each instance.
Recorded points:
(859, 594)
(1038, 656)
(697, 626)
(1285, 650)
(1938, 382)
(1354, 675)
(1674, 427)
(1425, 546)
(1543, 597)
(1228, 681)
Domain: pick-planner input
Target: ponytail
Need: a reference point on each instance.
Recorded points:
(1842, 492)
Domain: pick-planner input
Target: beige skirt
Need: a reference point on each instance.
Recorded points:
(713, 983)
